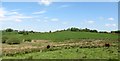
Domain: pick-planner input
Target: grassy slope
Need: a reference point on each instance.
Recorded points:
(67, 53)
(60, 36)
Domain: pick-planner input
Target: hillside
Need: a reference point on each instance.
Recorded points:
(61, 42)
(61, 36)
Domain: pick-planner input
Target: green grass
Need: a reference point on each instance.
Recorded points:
(72, 53)
(61, 36)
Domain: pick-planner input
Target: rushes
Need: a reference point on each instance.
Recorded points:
(29, 49)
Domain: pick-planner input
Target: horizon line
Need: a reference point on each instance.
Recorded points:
(60, 29)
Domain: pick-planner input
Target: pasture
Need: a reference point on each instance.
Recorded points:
(72, 53)
(63, 45)
(62, 36)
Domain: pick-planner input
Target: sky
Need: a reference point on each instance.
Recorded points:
(46, 15)
(63, 0)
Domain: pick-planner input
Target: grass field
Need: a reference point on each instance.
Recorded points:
(72, 53)
(64, 45)
(61, 36)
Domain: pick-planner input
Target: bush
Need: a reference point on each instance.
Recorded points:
(73, 29)
(93, 31)
(9, 30)
(23, 32)
(4, 39)
(13, 41)
(20, 32)
(115, 31)
(28, 40)
(48, 46)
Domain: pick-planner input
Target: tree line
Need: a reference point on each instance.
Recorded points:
(74, 29)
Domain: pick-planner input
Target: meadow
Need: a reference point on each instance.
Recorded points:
(72, 53)
(62, 36)
(63, 45)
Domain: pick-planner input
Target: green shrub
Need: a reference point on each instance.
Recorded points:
(13, 41)
(4, 39)
(23, 32)
(9, 30)
(28, 40)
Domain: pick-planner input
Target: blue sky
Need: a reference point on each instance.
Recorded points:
(45, 16)
(62, 0)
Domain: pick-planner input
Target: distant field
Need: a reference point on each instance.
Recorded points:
(61, 36)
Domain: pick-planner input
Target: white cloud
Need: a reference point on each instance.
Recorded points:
(101, 18)
(111, 19)
(46, 17)
(11, 16)
(90, 22)
(54, 19)
(2, 12)
(45, 2)
(110, 25)
(18, 20)
(114, 24)
(13, 13)
(65, 23)
(38, 20)
(64, 6)
(22, 16)
(45, 20)
(107, 25)
(16, 10)
(40, 12)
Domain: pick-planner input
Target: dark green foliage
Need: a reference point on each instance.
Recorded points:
(4, 39)
(77, 50)
(13, 41)
(49, 31)
(15, 30)
(86, 30)
(69, 29)
(93, 31)
(81, 30)
(28, 40)
(115, 31)
(23, 32)
(73, 29)
(26, 33)
(84, 57)
(9, 30)
(103, 32)
(20, 32)
(31, 31)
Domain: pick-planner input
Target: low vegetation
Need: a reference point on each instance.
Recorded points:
(69, 43)
(58, 36)
(13, 41)
(71, 53)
